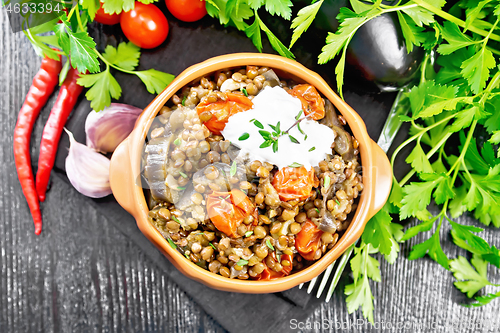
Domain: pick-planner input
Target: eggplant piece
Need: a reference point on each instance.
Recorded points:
(377, 57)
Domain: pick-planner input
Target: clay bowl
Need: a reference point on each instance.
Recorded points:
(125, 170)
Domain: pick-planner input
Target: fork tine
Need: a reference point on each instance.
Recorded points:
(326, 275)
(301, 285)
(336, 277)
(311, 285)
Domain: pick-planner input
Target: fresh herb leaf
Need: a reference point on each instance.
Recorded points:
(269, 245)
(181, 188)
(176, 219)
(212, 245)
(275, 146)
(103, 86)
(154, 80)
(183, 174)
(243, 89)
(469, 280)
(326, 182)
(184, 101)
(293, 139)
(303, 20)
(244, 136)
(312, 149)
(233, 169)
(248, 233)
(295, 165)
(172, 244)
(177, 142)
(126, 55)
(242, 262)
(258, 124)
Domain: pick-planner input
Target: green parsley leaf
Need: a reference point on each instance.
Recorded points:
(177, 142)
(279, 7)
(470, 280)
(253, 32)
(117, 6)
(384, 235)
(181, 188)
(295, 165)
(303, 20)
(432, 247)
(312, 149)
(275, 42)
(103, 86)
(184, 100)
(80, 46)
(126, 55)
(248, 233)
(269, 245)
(154, 80)
(455, 38)
(417, 196)
(483, 300)
(183, 174)
(477, 69)
(418, 160)
(91, 6)
(212, 245)
(176, 219)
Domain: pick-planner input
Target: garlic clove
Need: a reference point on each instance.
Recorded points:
(108, 128)
(87, 170)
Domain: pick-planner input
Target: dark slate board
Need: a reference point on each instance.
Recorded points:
(92, 269)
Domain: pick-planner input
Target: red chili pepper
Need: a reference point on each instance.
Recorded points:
(42, 87)
(66, 100)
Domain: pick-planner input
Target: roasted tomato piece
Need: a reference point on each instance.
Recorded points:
(312, 103)
(218, 112)
(307, 240)
(294, 183)
(269, 274)
(227, 210)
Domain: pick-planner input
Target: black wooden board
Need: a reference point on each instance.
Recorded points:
(92, 270)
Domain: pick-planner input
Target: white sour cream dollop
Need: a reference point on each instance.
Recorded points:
(273, 105)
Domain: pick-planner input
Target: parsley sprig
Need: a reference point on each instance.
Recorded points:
(458, 102)
(71, 39)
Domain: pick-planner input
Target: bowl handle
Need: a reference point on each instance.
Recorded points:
(382, 177)
(120, 175)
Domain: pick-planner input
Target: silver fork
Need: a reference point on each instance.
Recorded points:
(391, 128)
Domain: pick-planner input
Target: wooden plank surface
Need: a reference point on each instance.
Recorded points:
(81, 274)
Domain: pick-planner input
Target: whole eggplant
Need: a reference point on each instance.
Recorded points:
(377, 52)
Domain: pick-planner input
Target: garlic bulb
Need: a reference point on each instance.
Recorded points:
(87, 170)
(108, 128)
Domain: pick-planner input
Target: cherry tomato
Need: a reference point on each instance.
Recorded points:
(109, 19)
(269, 274)
(220, 110)
(307, 240)
(227, 210)
(294, 183)
(187, 10)
(145, 25)
(312, 103)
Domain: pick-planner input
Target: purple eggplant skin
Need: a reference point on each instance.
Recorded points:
(377, 52)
